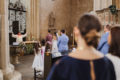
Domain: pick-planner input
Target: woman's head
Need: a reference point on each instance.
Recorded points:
(55, 36)
(89, 27)
(107, 28)
(43, 42)
(59, 32)
(36, 46)
(114, 41)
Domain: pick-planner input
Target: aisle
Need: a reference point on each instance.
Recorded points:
(25, 67)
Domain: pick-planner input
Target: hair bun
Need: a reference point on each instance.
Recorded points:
(92, 38)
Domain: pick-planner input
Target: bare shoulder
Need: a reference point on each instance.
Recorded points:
(99, 54)
(74, 54)
(86, 55)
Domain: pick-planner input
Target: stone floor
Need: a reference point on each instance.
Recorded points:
(25, 67)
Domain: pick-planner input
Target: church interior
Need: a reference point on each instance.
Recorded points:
(33, 19)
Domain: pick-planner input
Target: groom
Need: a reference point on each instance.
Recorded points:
(63, 43)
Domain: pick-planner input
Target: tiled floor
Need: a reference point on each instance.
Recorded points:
(25, 67)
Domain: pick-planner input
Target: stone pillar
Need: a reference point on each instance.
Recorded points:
(118, 4)
(96, 5)
(34, 19)
(109, 2)
(7, 69)
(1, 74)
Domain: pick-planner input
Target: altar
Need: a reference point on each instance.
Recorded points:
(24, 48)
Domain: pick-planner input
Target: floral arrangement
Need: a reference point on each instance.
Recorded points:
(28, 48)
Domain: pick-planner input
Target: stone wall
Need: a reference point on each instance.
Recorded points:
(103, 12)
(79, 7)
(61, 10)
(66, 13)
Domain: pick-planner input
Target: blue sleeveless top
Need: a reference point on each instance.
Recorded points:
(76, 69)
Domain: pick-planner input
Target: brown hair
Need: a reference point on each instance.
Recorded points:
(115, 41)
(108, 26)
(89, 26)
(36, 46)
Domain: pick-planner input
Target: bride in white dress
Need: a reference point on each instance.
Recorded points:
(55, 52)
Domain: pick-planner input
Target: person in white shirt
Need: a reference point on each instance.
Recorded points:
(114, 50)
(19, 37)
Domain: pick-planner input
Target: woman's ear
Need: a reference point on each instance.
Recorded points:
(76, 31)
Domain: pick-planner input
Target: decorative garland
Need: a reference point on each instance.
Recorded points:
(113, 9)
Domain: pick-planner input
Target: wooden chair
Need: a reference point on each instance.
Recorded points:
(37, 76)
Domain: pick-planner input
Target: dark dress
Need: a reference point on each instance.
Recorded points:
(75, 69)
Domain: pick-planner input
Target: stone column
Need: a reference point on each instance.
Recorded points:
(118, 4)
(1, 74)
(109, 2)
(114, 2)
(96, 5)
(7, 69)
(34, 19)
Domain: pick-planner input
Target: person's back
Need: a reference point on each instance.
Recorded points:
(54, 46)
(55, 52)
(49, 37)
(77, 69)
(85, 63)
(63, 43)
